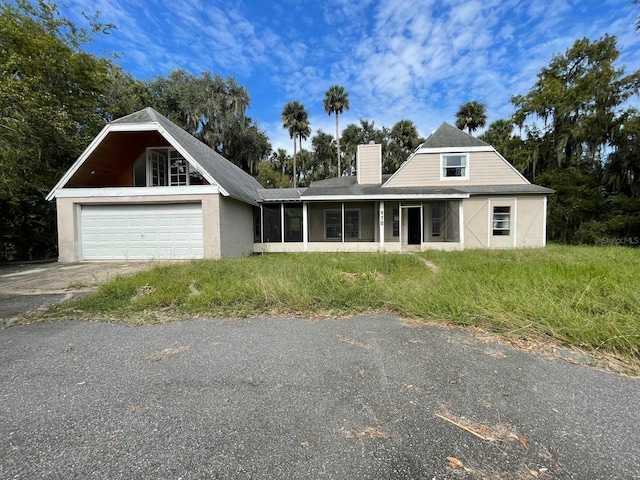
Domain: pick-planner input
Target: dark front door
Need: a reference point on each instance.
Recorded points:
(413, 220)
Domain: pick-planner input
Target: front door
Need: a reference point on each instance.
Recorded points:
(414, 227)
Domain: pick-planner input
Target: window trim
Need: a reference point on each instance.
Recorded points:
(506, 217)
(328, 211)
(167, 152)
(443, 156)
(342, 213)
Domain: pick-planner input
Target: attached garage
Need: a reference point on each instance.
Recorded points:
(141, 231)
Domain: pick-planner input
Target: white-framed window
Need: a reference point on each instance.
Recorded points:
(333, 223)
(454, 166)
(157, 162)
(167, 167)
(178, 169)
(501, 221)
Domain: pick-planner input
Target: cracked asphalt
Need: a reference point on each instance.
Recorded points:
(369, 397)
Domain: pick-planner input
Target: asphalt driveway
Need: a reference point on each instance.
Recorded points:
(25, 287)
(370, 397)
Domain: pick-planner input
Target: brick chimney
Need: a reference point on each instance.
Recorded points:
(369, 164)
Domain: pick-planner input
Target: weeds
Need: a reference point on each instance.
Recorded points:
(585, 296)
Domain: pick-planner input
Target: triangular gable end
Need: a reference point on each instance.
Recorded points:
(449, 139)
(121, 125)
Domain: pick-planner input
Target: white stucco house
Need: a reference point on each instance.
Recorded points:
(146, 189)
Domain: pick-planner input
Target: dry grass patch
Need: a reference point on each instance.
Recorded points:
(369, 432)
(166, 353)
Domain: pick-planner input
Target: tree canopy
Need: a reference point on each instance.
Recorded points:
(581, 139)
(472, 115)
(52, 105)
(295, 120)
(336, 99)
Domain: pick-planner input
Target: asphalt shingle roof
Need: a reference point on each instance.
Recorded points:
(447, 136)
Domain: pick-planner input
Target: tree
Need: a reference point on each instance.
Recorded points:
(295, 120)
(336, 99)
(212, 109)
(576, 97)
(274, 172)
(403, 140)
(324, 150)
(51, 106)
(124, 94)
(622, 168)
(472, 115)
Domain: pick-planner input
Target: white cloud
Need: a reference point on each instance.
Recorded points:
(397, 58)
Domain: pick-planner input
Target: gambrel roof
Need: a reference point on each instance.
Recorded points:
(217, 170)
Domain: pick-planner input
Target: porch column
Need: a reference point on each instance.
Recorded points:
(544, 221)
(282, 223)
(261, 225)
(342, 227)
(305, 227)
(461, 221)
(381, 228)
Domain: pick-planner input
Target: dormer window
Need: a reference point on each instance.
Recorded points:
(454, 166)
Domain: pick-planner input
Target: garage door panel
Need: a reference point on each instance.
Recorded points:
(142, 231)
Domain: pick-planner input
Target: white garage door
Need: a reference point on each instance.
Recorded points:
(139, 232)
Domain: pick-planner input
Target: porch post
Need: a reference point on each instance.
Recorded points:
(282, 223)
(305, 227)
(381, 228)
(261, 226)
(342, 227)
(461, 221)
(544, 221)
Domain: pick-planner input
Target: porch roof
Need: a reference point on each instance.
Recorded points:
(348, 189)
(280, 194)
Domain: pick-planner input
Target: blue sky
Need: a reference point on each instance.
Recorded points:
(398, 59)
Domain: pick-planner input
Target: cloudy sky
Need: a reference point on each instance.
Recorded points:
(398, 59)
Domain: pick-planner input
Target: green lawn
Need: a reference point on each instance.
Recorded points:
(585, 296)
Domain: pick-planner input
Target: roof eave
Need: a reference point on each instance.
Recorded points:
(132, 127)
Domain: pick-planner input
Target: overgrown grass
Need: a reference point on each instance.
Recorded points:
(586, 296)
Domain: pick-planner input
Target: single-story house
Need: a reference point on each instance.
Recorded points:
(147, 189)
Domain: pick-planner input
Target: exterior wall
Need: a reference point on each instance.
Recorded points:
(68, 238)
(476, 222)
(236, 227)
(369, 164)
(527, 222)
(531, 222)
(68, 215)
(485, 168)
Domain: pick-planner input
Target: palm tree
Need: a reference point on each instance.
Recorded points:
(471, 115)
(296, 120)
(336, 99)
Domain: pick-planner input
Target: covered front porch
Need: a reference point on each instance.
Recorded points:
(358, 226)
